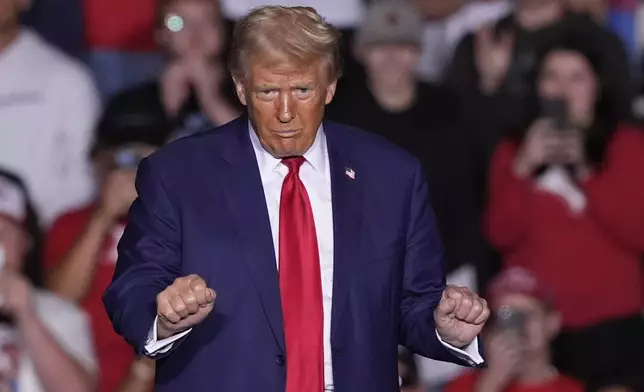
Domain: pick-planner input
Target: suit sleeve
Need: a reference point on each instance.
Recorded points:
(149, 259)
(423, 279)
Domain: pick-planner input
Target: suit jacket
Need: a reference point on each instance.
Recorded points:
(201, 210)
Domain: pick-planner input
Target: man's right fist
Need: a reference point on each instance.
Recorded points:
(183, 305)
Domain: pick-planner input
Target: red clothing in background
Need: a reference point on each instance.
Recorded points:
(124, 25)
(114, 354)
(591, 261)
(468, 381)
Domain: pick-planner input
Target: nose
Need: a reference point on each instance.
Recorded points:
(285, 107)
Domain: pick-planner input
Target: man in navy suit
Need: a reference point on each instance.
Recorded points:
(316, 239)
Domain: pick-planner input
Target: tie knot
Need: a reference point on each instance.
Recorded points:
(293, 163)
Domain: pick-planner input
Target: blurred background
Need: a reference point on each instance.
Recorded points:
(526, 114)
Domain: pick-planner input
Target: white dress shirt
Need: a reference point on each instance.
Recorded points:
(316, 176)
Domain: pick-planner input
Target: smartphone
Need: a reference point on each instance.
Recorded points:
(509, 319)
(555, 109)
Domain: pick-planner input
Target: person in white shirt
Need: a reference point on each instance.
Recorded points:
(45, 342)
(48, 108)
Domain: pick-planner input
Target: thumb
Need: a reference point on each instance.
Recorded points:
(205, 311)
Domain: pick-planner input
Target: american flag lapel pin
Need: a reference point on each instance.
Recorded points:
(350, 173)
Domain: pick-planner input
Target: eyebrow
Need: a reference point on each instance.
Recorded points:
(303, 84)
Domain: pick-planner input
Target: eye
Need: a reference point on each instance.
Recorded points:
(267, 94)
(303, 91)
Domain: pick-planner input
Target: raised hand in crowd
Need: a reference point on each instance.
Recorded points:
(141, 376)
(117, 195)
(504, 351)
(175, 86)
(541, 146)
(73, 274)
(196, 73)
(15, 296)
(493, 56)
(573, 153)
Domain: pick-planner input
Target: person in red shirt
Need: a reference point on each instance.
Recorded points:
(566, 200)
(80, 250)
(517, 342)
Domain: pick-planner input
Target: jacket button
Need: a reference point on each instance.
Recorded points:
(280, 360)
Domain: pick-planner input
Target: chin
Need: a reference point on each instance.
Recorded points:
(284, 150)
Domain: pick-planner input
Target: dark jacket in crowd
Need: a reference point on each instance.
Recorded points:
(431, 130)
(494, 115)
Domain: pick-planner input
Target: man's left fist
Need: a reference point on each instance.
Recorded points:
(460, 316)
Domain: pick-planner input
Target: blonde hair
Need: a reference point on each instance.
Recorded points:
(285, 35)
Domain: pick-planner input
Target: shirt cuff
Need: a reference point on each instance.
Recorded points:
(469, 353)
(154, 347)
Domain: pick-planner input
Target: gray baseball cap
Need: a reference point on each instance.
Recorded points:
(390, 22)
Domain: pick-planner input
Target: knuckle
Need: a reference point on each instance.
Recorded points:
(179, 307)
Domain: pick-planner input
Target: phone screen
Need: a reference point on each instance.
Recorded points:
(555, 109)
(510, 319)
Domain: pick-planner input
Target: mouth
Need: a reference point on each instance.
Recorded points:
(287, 132)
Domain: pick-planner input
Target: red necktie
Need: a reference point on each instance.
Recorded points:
(300, 285)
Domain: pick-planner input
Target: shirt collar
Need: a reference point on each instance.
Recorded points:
(316, 156)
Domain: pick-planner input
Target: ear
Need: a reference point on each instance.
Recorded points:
(240, 89)
(330, 92)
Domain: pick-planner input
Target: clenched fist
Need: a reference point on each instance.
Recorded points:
(183, 305)
(460, 316)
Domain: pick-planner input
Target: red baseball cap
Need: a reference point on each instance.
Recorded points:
(518, 280)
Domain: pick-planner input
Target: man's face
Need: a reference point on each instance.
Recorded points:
(285, 103)
(192, 28)
(10, 14)
(391, 64)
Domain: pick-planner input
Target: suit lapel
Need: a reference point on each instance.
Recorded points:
(346, 189)
(243, 189)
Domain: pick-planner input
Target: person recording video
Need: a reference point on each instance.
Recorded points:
(566, 200)
(45, 341)
(518, 339)
(194, 91)
(80, 251)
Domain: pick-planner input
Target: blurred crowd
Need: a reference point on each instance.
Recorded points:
(526, 115)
